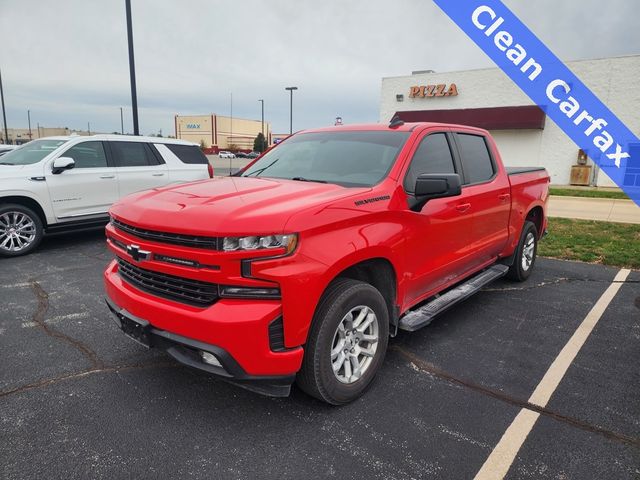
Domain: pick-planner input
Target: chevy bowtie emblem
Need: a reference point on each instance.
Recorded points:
(137, 254)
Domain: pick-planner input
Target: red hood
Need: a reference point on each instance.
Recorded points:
(228, 205)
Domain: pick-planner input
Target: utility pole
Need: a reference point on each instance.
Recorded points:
(291, 89)
(89, 128)
(262, 147)
(121, 122)
(132, 70)
(4, 115)
(29, 120)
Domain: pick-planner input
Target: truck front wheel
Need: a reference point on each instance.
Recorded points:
(347, 342)
(526, 252)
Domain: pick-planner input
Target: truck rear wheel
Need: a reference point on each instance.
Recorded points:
(20, 230)
(347, 342)
(526, 252)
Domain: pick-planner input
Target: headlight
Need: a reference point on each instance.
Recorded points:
(254, 242)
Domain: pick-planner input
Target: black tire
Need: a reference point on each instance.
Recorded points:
(525, 258)
(28, 223)
(317, 377)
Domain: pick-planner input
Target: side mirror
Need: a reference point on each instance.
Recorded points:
(434, 185)
(61, 164)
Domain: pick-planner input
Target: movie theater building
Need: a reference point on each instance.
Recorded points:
(524, 134)
(218, 132)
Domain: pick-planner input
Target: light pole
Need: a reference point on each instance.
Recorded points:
(89, 128)
(132, 70)
(121, 122)
(263, 142)
(4, 115)
(291, 89)
(29, 120)
(230, 132)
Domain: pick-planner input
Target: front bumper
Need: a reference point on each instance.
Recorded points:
(187, 352)
(235, 331)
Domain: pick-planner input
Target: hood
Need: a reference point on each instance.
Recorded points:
(227, 205)
(12, 171)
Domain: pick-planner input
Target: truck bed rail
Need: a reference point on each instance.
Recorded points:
(518, 170)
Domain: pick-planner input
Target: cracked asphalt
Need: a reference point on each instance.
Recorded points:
(80, 400)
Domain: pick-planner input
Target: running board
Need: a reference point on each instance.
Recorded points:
(421, 317)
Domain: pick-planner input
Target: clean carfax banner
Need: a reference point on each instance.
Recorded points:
(552, 86)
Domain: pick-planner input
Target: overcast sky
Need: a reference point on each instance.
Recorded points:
(67, 61)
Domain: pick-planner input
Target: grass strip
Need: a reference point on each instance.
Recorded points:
(606, 243)
(575, 192)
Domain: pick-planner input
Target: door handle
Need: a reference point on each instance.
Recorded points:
(157, 174)
(503, 197)
(107, 176)
(463, 207)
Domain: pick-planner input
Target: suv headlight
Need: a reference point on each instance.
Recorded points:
(255, 242)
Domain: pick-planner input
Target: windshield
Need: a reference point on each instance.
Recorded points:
(346, 158)
(31, 152)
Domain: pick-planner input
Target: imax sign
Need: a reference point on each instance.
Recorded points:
(193, 126)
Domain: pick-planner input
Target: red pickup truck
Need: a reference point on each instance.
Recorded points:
(302, 265)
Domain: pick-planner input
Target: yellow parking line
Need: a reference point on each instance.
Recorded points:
(504, 453)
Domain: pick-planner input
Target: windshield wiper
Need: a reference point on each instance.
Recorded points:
(260, 170)
(302, 179)
(6, 163)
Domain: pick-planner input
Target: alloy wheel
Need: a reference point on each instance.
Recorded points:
(17, 231)
(527, 251)
(354, 345)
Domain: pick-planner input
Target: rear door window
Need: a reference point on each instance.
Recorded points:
(476, 160)
(188, 153)
(132, 154)
(432, 156)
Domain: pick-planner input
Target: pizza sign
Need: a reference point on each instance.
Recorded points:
(426, 91)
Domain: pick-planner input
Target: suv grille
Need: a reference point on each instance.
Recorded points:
(191, 292)
(164, 237)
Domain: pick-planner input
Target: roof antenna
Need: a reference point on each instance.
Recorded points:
(396, 121)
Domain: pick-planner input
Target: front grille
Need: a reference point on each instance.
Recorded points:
(165, 237)
(184, 290)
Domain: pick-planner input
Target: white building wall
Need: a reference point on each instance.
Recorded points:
(613, 80)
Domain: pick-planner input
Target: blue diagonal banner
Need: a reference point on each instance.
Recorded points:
(552, 86)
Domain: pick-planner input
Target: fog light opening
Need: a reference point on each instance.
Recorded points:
(210, 358)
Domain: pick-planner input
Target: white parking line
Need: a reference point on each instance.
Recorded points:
(17, 285)
(59, 318)
(504, 453)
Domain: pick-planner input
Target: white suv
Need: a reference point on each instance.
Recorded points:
(62, 183)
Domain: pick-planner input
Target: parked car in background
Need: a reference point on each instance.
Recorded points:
(63, 183)
(7, 148)
(240, 155)
(225, 154)
(253, 155)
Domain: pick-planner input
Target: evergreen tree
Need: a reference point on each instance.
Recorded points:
(260, 143)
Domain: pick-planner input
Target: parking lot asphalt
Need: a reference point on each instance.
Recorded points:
(80, 400)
